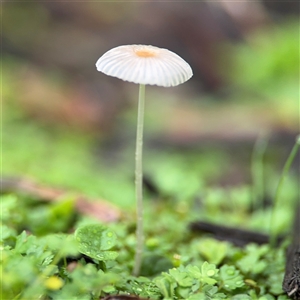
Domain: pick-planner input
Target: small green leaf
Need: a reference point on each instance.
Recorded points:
(6, 233)
(65, 244)
(231, 278)
(94, 241)
(166, 284)
(211, 292)
(205, 274)
(252, 262)
(213, 251)
(208, 270)
(182, 278)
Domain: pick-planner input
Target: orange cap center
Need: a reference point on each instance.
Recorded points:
(145, 52)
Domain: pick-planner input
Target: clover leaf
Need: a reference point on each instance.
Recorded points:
(94, 240)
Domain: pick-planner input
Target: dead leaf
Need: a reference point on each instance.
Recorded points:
(96, 208)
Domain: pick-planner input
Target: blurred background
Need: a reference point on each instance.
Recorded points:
(231, 126)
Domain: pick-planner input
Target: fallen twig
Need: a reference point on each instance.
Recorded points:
(238, 237)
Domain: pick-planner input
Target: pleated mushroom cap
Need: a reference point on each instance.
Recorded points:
(145, 65)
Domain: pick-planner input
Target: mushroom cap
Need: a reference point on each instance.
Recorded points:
(145, 65)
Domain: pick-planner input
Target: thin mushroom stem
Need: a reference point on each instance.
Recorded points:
(139, 182)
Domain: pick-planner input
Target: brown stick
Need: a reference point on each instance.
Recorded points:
(239, 237)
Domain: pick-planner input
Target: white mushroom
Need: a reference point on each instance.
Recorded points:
(143, 65)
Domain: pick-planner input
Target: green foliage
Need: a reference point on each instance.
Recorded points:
(56, 217)
(177, 265)
(52, 265)
(212, 250)
(192, 281)
(95, 241)
(252, 262)
(155, 264)
(269, 59)
(230, 278)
